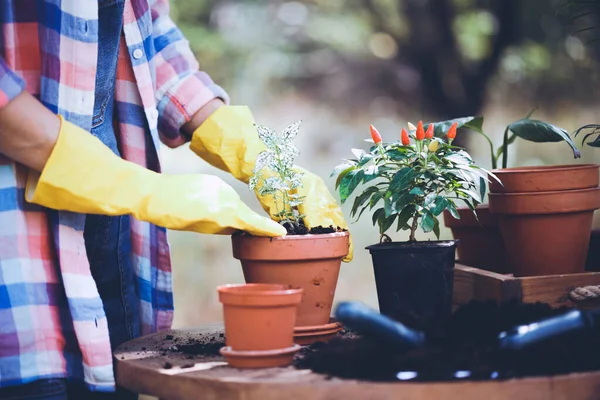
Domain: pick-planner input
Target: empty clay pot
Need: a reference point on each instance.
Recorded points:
(546, 233)
(480, 243)
(545, 178)
(311, 262)
(259, 324)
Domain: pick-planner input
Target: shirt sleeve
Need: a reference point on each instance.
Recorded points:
(182, 89)
(11, 85)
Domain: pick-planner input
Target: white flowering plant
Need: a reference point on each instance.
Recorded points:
(274, 174)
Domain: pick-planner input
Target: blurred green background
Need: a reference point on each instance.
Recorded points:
(340, 65)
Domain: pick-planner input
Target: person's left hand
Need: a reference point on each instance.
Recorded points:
(228, 139)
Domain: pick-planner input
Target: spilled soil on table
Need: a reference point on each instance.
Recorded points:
(464, 348)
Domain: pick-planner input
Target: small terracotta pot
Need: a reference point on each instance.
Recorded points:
(311, 262)
(545, 178)
(259, 324)
(480, 242)
(546, 233)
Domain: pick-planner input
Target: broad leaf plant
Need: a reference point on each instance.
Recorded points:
(410, 182)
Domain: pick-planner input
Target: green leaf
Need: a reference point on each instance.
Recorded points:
(386, 223)
(441, 128)
(417, 191)
(436, 228)
(396, 154)
(542, 132)
(349, 182)
(429, 199)
(404, 216)
(482, 187)
(378, 214)
(451, 207)
(361, 199)
(388, 206)
(427, 221)
(375, 199)
(370, 173)
(401, 180)
(439, 205)
(342, 173)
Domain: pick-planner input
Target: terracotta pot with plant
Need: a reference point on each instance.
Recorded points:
(409, 184)
(259, 324)
(481, 242)
(306, 258)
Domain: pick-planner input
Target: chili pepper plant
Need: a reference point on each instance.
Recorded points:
(410, 182)
(407, 184)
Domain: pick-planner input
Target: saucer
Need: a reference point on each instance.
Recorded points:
(305, 335)
(259, 358)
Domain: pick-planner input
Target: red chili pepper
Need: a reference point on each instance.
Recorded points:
(452, 131)
(404, 136)
(429, 133)
(420, 134)
(375, 135)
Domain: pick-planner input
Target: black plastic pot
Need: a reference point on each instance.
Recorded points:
(415, 281)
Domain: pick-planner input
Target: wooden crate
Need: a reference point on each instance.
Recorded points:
(477, 284)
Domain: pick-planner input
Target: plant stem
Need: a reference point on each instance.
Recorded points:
(505, 149)
(413, 228)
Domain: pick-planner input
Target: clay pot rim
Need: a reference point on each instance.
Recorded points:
(254, 289)
(309, 236)
(423, 244)
(543, 168)
(545, 193)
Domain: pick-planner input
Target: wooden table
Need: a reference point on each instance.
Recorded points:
(145, 365)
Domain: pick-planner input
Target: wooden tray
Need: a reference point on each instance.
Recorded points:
(477, 284)
(140, 366)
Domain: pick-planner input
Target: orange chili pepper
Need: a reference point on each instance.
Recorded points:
(420, 134)
(429, 133)
(404, 136)
(452, 131)
(375, 135)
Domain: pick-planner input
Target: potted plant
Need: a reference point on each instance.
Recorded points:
(407, 184)
(306, 258)
(259, 324)
(481, 243)
(593, 256)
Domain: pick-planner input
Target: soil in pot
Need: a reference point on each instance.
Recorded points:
(415, 281)
(546, 233)
(480, 242)
(310, 261)
(464, 348)
(545, 178)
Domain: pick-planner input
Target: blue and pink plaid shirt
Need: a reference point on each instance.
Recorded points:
(52, 322)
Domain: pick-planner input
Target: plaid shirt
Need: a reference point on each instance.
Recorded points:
(52, 321)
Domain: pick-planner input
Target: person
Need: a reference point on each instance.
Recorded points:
(87, 91)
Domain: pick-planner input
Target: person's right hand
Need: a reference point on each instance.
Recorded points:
(82, 175)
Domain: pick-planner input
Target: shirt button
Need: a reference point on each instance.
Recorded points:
(138, 53)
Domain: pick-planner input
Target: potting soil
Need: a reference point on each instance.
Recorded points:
(465, 348)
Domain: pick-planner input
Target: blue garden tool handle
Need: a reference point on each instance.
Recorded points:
(368, 322)
(523, 336)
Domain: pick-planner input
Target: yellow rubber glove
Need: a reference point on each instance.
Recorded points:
(82, 175)
(228, 140)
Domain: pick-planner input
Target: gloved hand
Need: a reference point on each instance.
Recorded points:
(228, 140)
(82, 175)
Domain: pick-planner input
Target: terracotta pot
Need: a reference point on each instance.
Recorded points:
(259, 323)
(546, 233)
(480, 243)
(545, 178)
(311, 262)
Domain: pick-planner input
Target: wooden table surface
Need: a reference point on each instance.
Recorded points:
(151, 365)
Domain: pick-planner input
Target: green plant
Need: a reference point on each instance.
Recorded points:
(273, 173)
(416, 179)
(526, 128)
(591, 129)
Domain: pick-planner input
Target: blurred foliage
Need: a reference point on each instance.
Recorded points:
(437, 56)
